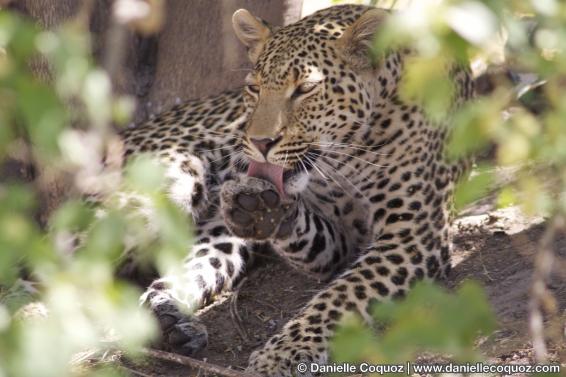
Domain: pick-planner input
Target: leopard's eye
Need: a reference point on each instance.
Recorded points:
(253, 88)
(305, 88)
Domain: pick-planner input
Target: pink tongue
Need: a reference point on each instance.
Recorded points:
(269, 172)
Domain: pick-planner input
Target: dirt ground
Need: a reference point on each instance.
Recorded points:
(492, 247)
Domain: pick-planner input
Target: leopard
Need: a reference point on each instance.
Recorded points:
(318, 158)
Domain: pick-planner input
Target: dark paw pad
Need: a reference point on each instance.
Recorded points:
(181, 334)
(253, 208)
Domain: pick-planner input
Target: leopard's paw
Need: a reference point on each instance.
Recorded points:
(180, 333)
(253, 209)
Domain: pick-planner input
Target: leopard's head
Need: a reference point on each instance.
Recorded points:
(312, 83)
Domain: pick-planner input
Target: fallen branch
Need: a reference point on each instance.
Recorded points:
(236, 319)
(134, 372)
(194, 363)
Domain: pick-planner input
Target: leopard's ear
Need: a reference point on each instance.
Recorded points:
(357, 39)
(252, 31)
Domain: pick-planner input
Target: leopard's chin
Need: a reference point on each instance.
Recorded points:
(297, 178)
(295, 181)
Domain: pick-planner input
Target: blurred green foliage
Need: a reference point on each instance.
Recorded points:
(89, 308)
(428, 319)
(518, 127)
(522, 118)
(62, 123)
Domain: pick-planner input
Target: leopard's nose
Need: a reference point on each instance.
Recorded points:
(264, 145)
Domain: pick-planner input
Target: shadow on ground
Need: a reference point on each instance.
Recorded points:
(495, 249)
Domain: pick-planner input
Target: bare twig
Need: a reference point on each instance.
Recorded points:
(236, 319)
(544, 261)
(134, 372)
(485, 270)
(194, 363)
(261, 302)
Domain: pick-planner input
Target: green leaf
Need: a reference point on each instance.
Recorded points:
(122, 109)
(430, 319)
(105, 239)
(353, 342)
(73, 215)
(472, 127)
(506, 197)
(176, 234)
(474, 188)
(43, 114)
(145, 174)
(16, 198)
(19, 35)
(425, 82)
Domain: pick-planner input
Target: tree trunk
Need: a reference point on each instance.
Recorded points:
(199, 54)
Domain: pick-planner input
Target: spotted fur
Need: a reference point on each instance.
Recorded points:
(366, 185)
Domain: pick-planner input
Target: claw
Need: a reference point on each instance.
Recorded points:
(187, 338)
(181, 334)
